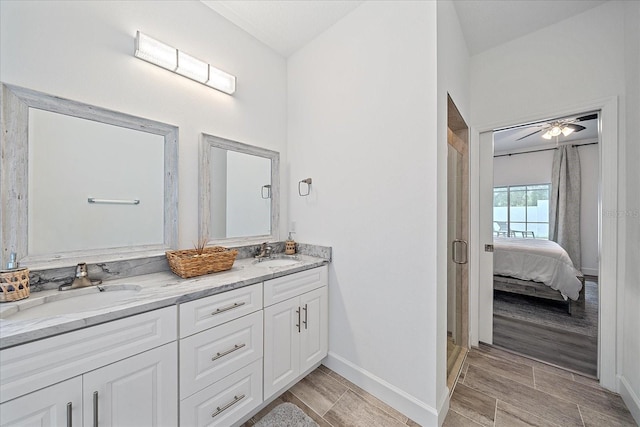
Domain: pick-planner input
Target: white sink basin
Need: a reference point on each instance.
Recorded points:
(277, 262)
(69, 302)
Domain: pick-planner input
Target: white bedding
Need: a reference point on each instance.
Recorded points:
(538, 260)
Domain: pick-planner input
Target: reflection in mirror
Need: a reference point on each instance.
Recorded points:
(239, 192)
(80, 182)
(73, 159)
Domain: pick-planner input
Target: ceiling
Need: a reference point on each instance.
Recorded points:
(490, 23)
(508, 140)
(287, 25)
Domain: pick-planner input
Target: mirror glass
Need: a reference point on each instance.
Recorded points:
(240, 191)
(104, 183)
(80, 182)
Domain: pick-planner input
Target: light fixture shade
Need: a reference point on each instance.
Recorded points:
(555, 130)
(165, 56)
(156, 52)
(567, 130)
(192, 68)
(221, 81)
(547, 135)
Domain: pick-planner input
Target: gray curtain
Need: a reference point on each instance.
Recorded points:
(564, 218)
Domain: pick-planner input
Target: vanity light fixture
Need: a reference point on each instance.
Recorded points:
(172, 59)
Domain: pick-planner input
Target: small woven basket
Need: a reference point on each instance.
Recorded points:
(14, 285)
(191, 263)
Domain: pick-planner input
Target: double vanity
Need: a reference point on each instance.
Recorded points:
(164, 351)
(145, 348)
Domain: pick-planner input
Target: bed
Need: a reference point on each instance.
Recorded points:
(536, 267)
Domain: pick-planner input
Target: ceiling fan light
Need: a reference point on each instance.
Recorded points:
(547, 135)
(567, 130)
(555, 131)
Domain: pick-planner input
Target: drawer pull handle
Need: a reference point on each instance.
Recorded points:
(95, 409)
(231, 350)
(305, 316)
(69, 415)
(221, 409)
(227, 308)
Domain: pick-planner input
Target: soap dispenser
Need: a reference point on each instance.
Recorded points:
(12, 264)
(290, 245)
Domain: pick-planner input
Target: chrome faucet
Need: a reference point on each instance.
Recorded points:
(82, 277)
(81, 280)
(264, 251)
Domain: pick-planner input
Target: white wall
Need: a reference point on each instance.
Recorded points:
(83, 50)
(513, 83)
(630, 377)
(362, 114)
(519, 169)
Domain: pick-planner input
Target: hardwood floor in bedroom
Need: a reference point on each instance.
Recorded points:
(543, 330)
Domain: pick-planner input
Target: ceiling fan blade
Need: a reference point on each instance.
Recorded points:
(576, 128)
(532, 133)
(587, 117)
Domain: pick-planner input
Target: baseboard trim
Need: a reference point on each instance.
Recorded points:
(630, 398)
(589, 271)
(410, 406)
(443, 407)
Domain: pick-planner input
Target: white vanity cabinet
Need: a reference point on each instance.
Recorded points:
(120, 373)
(295, 327)
(221, 361)
(56, 405)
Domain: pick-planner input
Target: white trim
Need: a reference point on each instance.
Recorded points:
(631, 399)
(407, 404)
(608, 341)
(443, 407)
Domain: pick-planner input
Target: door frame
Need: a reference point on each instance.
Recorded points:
(609, 337)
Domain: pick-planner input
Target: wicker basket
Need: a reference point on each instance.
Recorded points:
(189, 263)
(14, 285)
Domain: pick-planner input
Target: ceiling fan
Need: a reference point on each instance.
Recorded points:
(561, 126)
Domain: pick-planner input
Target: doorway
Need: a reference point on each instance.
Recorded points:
(481, 328)
(530, 315)
(458, 236)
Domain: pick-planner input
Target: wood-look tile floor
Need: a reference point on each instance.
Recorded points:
(495, 388)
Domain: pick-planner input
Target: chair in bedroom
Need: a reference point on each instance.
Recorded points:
(523, 234)
(500, 229)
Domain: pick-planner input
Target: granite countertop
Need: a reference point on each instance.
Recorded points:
(156, 290)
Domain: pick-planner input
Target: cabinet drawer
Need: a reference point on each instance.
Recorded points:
(213, 354)
(225, 402)
(205, 313)
(285, 287)
(35, 365)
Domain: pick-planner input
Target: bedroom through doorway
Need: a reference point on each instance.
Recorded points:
(545, 240)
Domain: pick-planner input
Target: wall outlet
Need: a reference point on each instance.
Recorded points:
(293, 226)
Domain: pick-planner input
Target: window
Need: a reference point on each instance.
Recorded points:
(521, 211)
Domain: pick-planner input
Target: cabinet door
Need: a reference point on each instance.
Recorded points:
(139, 391)
(57, 405)
(281, 345)
(313, 336)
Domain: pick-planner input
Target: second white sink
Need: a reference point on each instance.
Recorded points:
(277, 262)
